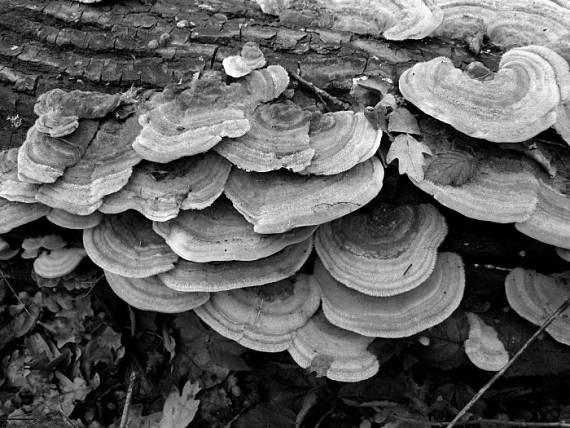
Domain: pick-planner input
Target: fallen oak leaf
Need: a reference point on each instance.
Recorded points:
(453, 168)
(401, 120)
(180, 408)
(410, 154)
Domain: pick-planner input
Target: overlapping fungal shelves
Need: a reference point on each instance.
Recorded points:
(211, 194)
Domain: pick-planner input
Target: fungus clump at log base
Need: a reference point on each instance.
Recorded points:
(146, 191)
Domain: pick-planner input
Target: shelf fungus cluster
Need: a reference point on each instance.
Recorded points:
(525, 96)
(394, 20)
(527, 187)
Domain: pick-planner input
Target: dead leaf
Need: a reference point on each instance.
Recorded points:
(71, 391)
(410, 155)
(453, 168)
(267, 415)
(401, 120)
(180, 408)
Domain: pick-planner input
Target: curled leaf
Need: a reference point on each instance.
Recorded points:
(453, 168)
(410, 154)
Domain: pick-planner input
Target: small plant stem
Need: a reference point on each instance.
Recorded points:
(128, 399)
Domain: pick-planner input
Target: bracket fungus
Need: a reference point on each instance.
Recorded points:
(160, 191)
(520, 101)
(58, 262)
(67, 220)
(55, 125)
(278, 201)
(14, 214)
(222, 276)
(125, 244)
(263, 318)
(483, 346)
(278, 138)
(563, 253)
(43, 159)
(249, 59)
(394, 20)
(219, 233)
(507, 23)
(150, 294)
(401, 315)
(104, 169)
(193, 121)
(83, 104)
(341, 140)
(335, 353)
(535, 297)
(382, 251)
(11, 187)
(265, 85)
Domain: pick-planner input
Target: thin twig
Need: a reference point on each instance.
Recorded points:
(128, 399)
(520, 424)
(565, 305)
(320, 92)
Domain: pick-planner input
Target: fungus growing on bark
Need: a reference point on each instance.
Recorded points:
(219, 233)
(332, 352)
(222, 276)
(401, 315)
(160, 191)
(52, 242)
(125, 244)
(341, 140)
(563, 253)
(394, 20)
(193, 121)
(483, 347)
(265, 85)
(278, 201)
(58, 262)
(104, 169)
(278, 138)
(55, 125)
(83, 104)
(150, 294)
(249, 59)
(535, 297)
(507, 23)
(520, 101)
(383, 251)
(263, 318)
(6, 252)
(14, 214)
(67, 220)
(11, 187)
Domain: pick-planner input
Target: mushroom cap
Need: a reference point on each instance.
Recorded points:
(222, 276)
(395, 20)
(30, 244)
(396, 316)
(67, 220)
(150, 294)
(341, 140)
(563, 253)
(463, 19)
(384, 251)
(14, 214)
(263, 318)
(58, 263)
(56, 125)
(342, 355)
(104, 169)
(267, 84)
(249, 59)
(562, 124)
(4, 245)
(52, 242)
(278, 138)
(160, 191)
(84, 104)
(11, 187)
(125, 244)
(8, 253)
(535, 297)
(193, 122)
(519, 102)
(483, 347)
(43, 159)
(278, 201)
(219, 233)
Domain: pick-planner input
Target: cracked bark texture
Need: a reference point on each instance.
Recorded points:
(112, 45)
